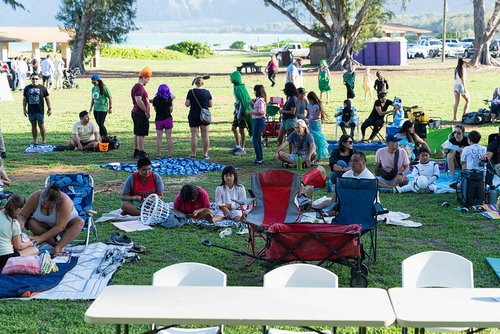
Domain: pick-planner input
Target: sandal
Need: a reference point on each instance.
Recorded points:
(138, 249)
(285, 165)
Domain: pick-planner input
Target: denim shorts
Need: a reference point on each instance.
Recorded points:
(288, 124)
(36, 117)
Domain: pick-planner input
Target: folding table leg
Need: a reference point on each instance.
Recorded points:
(118, 329)
(362, 330)
(126, 328)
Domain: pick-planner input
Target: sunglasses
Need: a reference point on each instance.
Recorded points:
(457, 133)
(34, 79)
(349, 142)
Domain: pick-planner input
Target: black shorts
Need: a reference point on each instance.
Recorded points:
(46, 78)
(239, 122)
(194, 120)
(4, 258)
(141, 124)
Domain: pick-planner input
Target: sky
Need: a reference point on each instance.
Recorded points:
(230, 12)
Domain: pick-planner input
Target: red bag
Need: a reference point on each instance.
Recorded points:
(315, 178)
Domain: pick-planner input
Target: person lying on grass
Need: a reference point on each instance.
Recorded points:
(228, 190)
(49, 213)
(193, 202)
(139, 186)
(303, 146)
(11, 243)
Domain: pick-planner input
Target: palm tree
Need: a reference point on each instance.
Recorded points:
(14, 4)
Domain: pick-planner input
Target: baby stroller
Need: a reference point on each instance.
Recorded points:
(69, 80)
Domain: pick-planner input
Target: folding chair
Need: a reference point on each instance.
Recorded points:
(357, 204)
(299, 275)
(189, 274)
(275, 192)
(80, 188)
(437, 269)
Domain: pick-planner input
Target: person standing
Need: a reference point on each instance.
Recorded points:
(241, 120)
(459, 87)
(163, 104)
(101, 102)
(58, 72)
(368, 84)
(272, 69)
(259, 122)
(34, 107)
(141, 112)
(381, 85)
(293, 74)
(22, 71)
(47, 67)
(349, 78)
(324, 80)
(14, 69)
(196, 99)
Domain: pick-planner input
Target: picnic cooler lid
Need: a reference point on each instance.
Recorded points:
(283, 237)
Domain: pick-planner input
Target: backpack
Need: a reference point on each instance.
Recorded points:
(481, 116)
(112, 140)
(471, 187)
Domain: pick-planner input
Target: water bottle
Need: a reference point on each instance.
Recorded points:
(299, 162)
(329, 186)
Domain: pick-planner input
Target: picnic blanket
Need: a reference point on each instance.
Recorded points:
(170, 166)
(488, 210)
(25, 285)
(358, 146)
(43, 148)
(83, 281)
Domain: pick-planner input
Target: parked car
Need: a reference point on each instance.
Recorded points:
(495, 48)
(451, 40)
(433, 46)
(295, 48)
(455, 50)
(415, 51)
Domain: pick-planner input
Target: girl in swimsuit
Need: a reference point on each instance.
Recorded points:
(459, 88)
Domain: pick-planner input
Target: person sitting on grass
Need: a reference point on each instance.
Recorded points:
(452, 149)
(228, 190)
(391, 164)
(471, 157)
(303, 146)
(11, 243)
(193, 202)
(85, 134)
(50, 213)
(139, 186)
(425, 168)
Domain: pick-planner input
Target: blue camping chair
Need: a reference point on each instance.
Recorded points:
(80, 188)
(357, 204)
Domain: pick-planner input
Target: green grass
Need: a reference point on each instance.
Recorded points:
(428, 84)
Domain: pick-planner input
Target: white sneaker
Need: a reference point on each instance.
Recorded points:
(240, 151)
(242, 230)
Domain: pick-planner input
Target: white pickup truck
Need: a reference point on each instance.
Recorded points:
(295, 48)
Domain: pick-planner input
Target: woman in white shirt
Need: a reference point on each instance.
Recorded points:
(228, 190)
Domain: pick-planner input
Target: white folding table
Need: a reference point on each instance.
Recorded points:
(446, 307)
(131, 304)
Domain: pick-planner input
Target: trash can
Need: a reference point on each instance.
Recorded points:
(285, 58)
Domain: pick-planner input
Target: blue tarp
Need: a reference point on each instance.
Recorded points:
(171, 166)
(358, 146)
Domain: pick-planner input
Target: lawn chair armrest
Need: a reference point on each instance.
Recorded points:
(90, 212)
(379, 209)
(244, 202)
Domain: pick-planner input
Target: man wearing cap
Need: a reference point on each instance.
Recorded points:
(101, 102)
(85, 133)
(141, 112)
(303, 146)
(391, 164)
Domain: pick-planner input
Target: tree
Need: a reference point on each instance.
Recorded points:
(14, 4)
(484, 32)
(93, 22)
(238, 45)
(337, 23)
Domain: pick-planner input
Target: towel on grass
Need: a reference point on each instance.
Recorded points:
(495, 264)
(170, 166)
(24, 285)
(398, 219)
(488, 210)
(358, 146)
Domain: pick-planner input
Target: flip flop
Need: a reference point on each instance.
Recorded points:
(138, 249)
(285, 165)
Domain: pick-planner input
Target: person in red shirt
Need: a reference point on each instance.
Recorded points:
(141, 112)
(194, 202)
(139, 186)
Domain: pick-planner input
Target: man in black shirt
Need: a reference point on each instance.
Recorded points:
(492, 156)
(33, 106)
(376, 118)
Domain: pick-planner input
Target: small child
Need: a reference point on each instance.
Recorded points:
(368, 84)
(228, 190)
(348, 117)
(324, 80)
(315, 115)
(381, 84)
(163, 104)
(399, 116)
(425, 168)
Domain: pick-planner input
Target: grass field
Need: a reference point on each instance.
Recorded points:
(425, 83)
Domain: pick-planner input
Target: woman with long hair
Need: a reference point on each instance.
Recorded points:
(259, 121)
(340, 160)
(410, 141)
(11, 243)
(288, 112)
(459, 87)
(315, 115)
(196, 99)
(163, 104)
(272, 69)
(101, 102)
